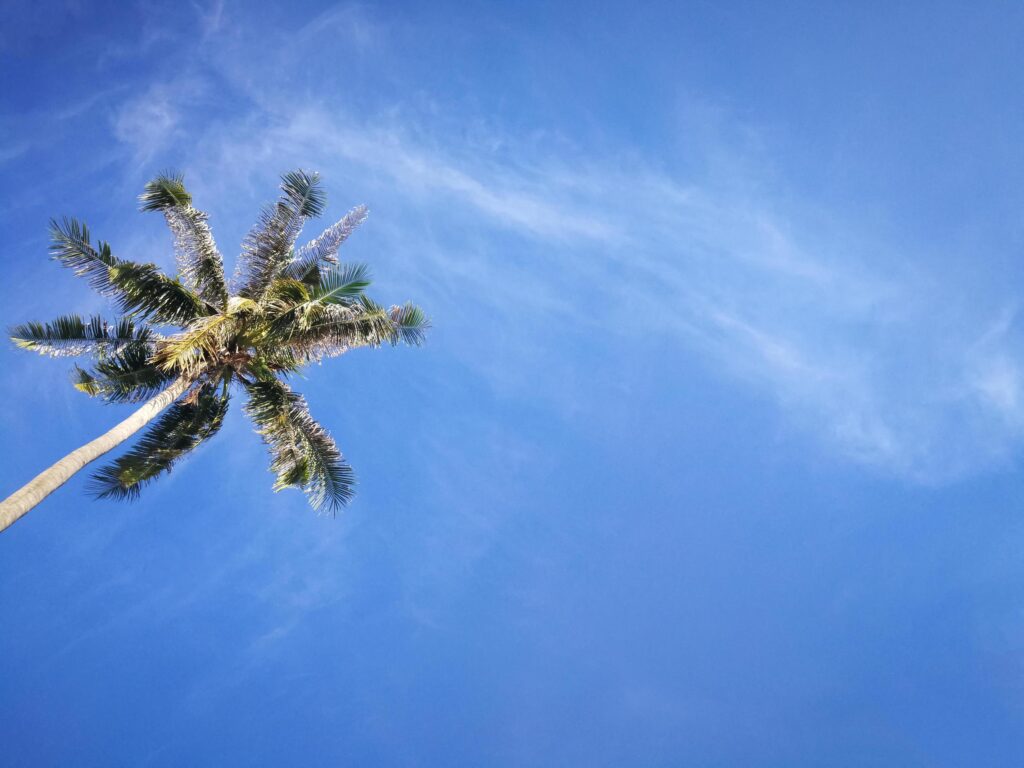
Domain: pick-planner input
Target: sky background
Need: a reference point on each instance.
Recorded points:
(712, 457)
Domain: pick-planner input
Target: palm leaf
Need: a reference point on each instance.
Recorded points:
(309, 259)
(292, 307)
(71, 246)
(72, 335)
(303, 454)
(187, 353)
(199, 262)
(285, 295)
(342, 284)
(268, 246)
(411, 324)
(179, 430)
(145, 292)
(332, 330)
(167, 190)
(125, 376)
(139, 289)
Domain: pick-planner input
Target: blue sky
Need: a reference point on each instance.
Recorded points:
(712, 458)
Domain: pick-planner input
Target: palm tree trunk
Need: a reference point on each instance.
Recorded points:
(45, 483)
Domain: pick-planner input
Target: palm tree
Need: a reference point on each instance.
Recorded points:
(290, 307)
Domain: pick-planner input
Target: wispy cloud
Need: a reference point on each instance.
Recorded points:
(13, 151)
(149, 122)
(883, 362)
(211, 17)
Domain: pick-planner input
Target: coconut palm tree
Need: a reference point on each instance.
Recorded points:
(289, 307)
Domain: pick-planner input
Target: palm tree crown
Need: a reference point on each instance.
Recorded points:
(288, 307)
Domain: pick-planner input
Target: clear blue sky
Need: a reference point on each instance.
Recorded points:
(713, 456)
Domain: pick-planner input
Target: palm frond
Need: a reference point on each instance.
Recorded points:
(139, 289)
(268, 246)
(303, 454)
(292, 307)
(145, 292)
(124, 376)
(70, 244)
(342, 284)
(72, 335)
(332, 330)
(241, 306)
(411, 324)
(165, 191)
(285, 294)
(179, 430)
(199, 262)
(304, 194)
(311, 257)
(187, 353)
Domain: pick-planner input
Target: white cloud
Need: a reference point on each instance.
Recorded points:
(149, 122)
(13, 151)
(871, 352)
(211, 17)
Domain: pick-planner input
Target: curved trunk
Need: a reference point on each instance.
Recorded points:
(45, 483)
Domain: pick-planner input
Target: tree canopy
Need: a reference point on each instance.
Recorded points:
(287, 307)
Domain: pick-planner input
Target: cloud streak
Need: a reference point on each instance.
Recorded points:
(885, 364)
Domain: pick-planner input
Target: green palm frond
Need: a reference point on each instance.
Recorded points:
(285, 295)
(313, 256)
(332, 330)
(199, 262)
(187, 353)
(342, 284)
(268, 246)
(179, 430)
(73, 335)
(167, 190)
(145, 292)
(139, 289)
(303, 454)
(124, 376)
(411, 324)
(304, 197)
(292, 307)
(70, 244)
